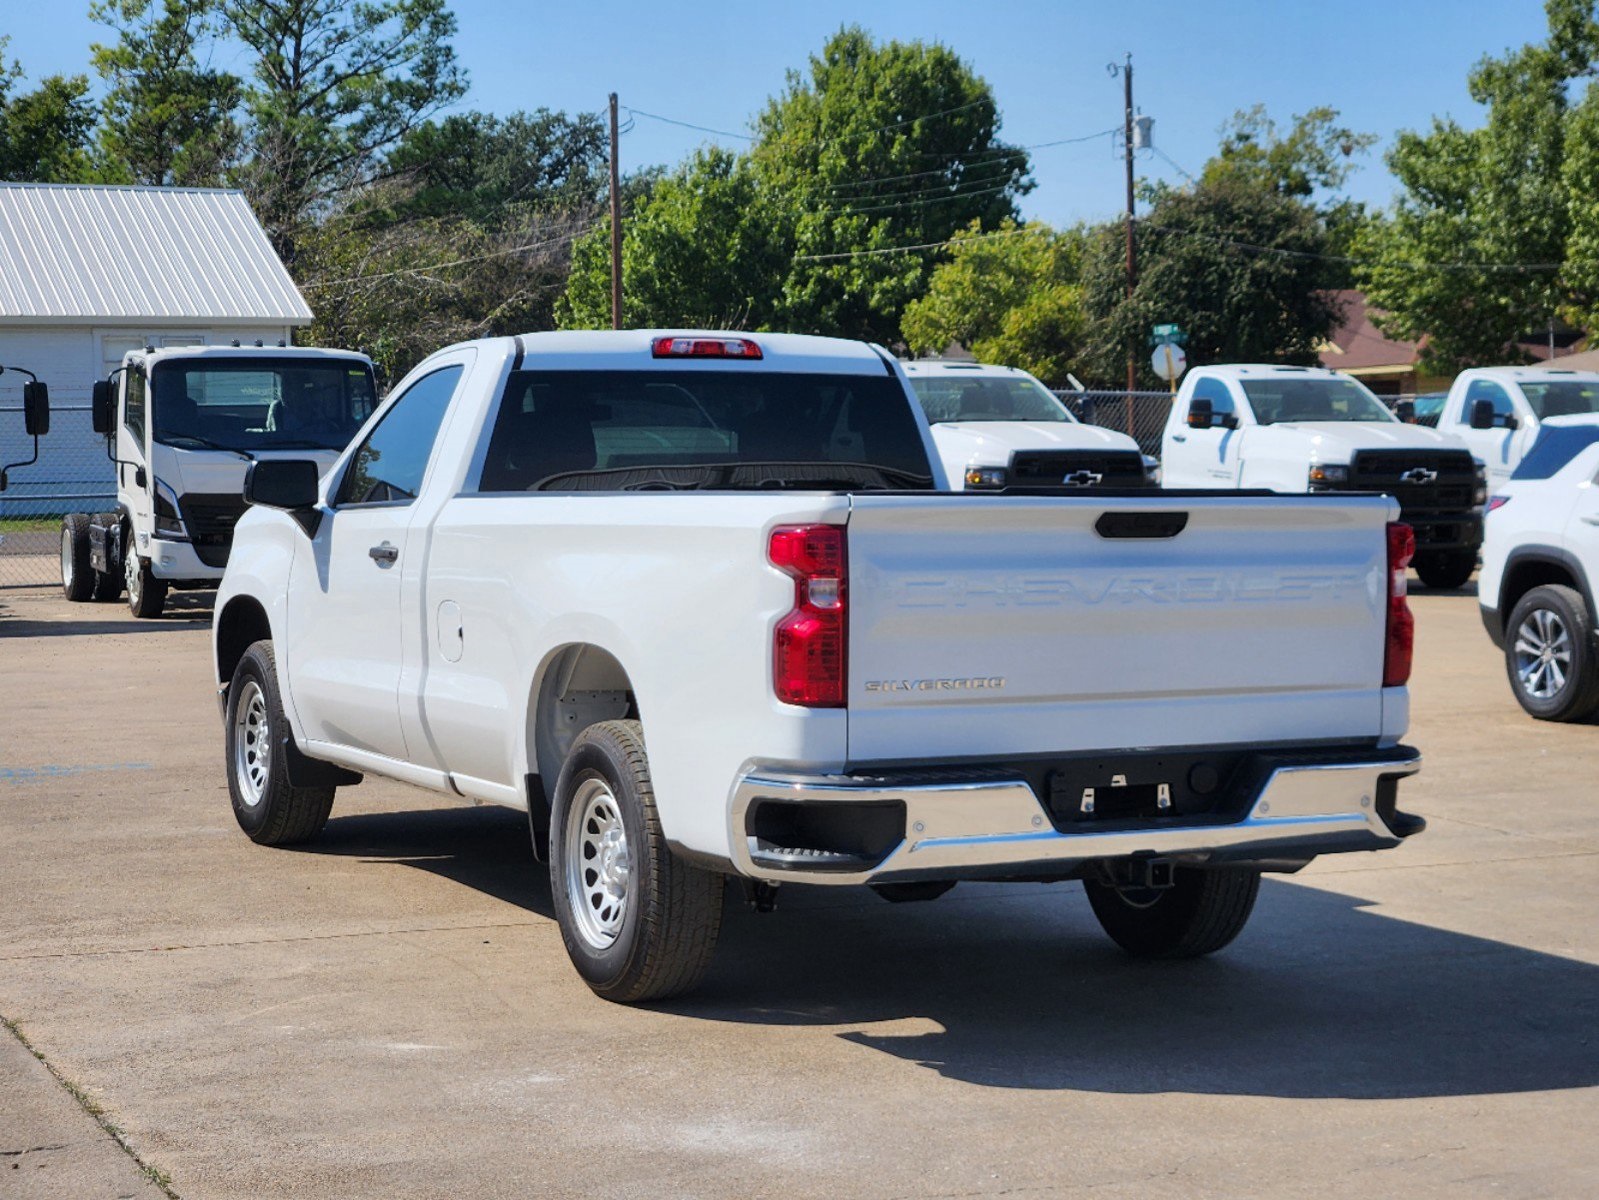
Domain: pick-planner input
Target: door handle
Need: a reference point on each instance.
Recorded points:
(1591, 520)
(384, 552)
(1179, 437)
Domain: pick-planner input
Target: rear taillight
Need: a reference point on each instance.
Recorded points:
(704, 347)
(809, 647)
(1401, 640)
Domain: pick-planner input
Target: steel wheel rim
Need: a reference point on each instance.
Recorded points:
(599, 865)
(1543, 654)
(130, 575)
(66, 557)
(252, 744)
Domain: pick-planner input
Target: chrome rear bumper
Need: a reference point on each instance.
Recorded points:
(966, 828)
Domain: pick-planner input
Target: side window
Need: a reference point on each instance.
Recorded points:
(1217, 392)
(390, 463)
(133, 412)
(1484, 389)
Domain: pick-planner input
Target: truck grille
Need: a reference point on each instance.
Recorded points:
(210, 518)
(1077, 468)
(1403, 474)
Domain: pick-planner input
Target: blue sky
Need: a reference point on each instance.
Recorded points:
(1386, 66)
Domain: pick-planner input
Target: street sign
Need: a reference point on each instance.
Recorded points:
(1167, 335)
(1169, 362)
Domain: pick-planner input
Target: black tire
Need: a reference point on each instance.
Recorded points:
(1553, 608)
(268, 808)
(77, 575)
(1200, 913)
(665, 924)
(147, 595)
(1444, 569)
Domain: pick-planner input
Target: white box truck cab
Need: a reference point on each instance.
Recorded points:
(182, 425)
(1309, 429)
(1498, 411)
(999, 427)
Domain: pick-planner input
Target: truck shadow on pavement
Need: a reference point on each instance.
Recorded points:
(183, 612)
(1014, 986)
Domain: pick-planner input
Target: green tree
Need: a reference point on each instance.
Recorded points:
(1011, 297)
(878, 147)
(166, 118)
(333, 87)
(702, 247)
(1314, 156)
(44, 134)
(1468, 256)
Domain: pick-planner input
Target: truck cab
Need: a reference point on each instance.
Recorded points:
(998, 427)
(182, 426)
(1309, 429)
(1498, 411)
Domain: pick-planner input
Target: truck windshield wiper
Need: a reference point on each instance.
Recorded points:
(176, 439)
(791, 476)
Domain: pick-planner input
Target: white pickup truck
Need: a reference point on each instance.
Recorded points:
(1308, 429)
(699, 604)
(1498, 411)
(998, 427)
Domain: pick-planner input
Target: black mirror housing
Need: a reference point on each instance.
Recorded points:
(1482, 414)
(101, 405)
(292, 484)
(36, 408)
(1405, 410)
(1201, 415)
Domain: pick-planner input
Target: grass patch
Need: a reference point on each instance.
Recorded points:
(96, 1110)
(29, 525)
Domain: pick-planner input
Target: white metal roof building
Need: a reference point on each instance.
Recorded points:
(88, 273)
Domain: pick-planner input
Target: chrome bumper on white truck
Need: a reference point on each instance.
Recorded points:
(972, 828)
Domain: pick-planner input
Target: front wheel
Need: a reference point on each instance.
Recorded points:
(267, 806)
(147, 595)
(639, 922)
(1444, 570)
(1549, 654)
(1198, 914)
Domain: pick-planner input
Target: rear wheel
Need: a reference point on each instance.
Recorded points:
(1549, 654)
(77, 575)
(147, 595)
(267, 806)
(639, 922)
(1198, 914)
(1446, 569)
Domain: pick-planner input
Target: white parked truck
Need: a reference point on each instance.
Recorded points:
(181, 426)
(701, 605)
(998, 427)
(1498, 411)
(1308, 429)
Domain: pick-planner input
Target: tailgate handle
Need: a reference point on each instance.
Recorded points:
(1141, 524)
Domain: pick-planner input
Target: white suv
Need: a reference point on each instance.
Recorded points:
(999, 427)
(1540, 553)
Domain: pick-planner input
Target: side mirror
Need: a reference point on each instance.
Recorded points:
(36, 408)
(1482, 414)
(292, 484)
(1405, 410)
(101, 405)
(1201, 414)
(1512, 421)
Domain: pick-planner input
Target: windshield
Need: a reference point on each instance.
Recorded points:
(1568, 398)
(260, 404)
(1281, 399)
(986, 398)
(617, 430)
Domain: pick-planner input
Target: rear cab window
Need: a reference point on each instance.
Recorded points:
(635, 430)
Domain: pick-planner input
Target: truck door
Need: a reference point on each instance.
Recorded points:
(346, 641)
(1500, 449)
(1206, 457)
(133, 449)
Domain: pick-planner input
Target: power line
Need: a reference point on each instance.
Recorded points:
(456, 262)
(1284, 252)
(851, 210)
(963, 240)
(823, 141)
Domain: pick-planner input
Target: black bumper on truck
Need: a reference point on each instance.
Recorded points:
(1276, 808)
(1437, 491)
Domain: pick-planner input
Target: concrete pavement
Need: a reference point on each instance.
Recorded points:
(391, 1012)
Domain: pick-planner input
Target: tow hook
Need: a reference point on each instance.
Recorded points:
(760, 895)
(1140, 874)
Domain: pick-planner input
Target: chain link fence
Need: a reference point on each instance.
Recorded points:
(73, 474)
(1140, 415)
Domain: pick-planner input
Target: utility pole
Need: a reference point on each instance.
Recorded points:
(616, 225)
(1127, 149)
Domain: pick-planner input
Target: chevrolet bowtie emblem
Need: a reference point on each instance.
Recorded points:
(1418, 475)
(1082, 479)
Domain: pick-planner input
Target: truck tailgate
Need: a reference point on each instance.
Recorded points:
(997, 626)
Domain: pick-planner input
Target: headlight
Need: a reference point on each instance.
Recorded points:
(166, 513)
(1329, 474)
(1479, 494)
(985, 477)
(1151, 470)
